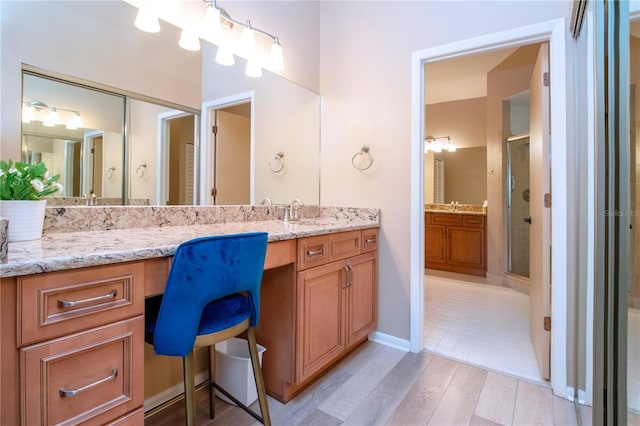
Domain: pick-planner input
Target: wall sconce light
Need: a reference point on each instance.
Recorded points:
(439, 144)
(215, 26)
(49, 115)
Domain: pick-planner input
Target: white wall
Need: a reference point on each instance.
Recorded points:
(365, 82)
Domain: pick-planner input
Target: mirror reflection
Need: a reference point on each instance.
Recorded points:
(79, 134)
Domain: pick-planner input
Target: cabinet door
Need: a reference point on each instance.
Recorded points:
(321, 300)
(435, 250)
(92, 377)
(466, 247)
(362, 299)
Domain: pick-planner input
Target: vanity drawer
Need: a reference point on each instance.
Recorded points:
(369, 240)
(427, 218)
(446, 219)
(473, 221)
(344, 245)
(58, 303)
(313, 251)
(93, 377)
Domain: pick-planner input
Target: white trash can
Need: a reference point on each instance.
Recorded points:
(234, 372)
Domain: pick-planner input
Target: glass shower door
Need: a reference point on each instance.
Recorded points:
(518, 204)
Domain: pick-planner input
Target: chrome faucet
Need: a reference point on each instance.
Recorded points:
(291, 213)
(267, 201)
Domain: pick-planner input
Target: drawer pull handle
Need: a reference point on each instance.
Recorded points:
(73, 392)
(314, 252)
(370, 240)
(70, 303)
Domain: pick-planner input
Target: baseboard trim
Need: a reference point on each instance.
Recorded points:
(392, 341)
(170, 393)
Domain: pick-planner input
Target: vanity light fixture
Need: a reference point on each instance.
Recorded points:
(216, 27)
(439, 144)
(49, 115)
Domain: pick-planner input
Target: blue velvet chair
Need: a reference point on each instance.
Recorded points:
(212, 294)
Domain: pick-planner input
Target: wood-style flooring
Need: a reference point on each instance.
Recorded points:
(379, 385)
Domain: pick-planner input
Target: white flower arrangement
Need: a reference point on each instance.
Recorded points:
(23, 181)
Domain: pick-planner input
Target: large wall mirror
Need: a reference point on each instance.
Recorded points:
(285, 117)
(109, 148)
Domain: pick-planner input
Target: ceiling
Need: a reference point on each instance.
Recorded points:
(463, 77)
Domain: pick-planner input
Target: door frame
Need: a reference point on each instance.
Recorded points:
(555, 33)
(207, 172)
(163, 154)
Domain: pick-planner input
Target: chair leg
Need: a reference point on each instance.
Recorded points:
(189, 389)
(212, 379)
(257, 373)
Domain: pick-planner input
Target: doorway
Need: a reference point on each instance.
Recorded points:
(497, 88)
(228, 150)
(552, 31)
(177, 178)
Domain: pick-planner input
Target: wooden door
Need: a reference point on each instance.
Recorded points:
(362, 298)
(540, 235)
(233, 157)
(321, 309)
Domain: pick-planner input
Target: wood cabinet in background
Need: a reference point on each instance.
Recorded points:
(455, 242)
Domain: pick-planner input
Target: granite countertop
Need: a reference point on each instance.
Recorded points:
(67, 250)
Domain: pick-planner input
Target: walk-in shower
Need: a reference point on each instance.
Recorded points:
(518, 216)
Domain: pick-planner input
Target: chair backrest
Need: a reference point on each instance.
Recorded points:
(203, 270)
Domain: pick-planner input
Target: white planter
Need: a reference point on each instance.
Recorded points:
(26, 218)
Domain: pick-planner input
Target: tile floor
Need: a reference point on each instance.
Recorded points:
(479, 324)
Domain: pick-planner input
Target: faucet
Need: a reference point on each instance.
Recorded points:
(267, 201)
(291, 214)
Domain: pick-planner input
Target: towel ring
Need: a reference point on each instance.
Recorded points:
(363, 151)
(279, 163)
(141, 169)
(110, 172)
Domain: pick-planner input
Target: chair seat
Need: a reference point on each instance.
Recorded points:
(218, 315)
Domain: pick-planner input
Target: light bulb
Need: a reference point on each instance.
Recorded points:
(253, 69)
(212, 28)
(75, 122)
(189, 40)
(52, 119)
(275, 56)
(147, 18)
(27, 113)
(224, 55)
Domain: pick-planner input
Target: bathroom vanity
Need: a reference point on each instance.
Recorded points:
(455, 241)
(72, 315)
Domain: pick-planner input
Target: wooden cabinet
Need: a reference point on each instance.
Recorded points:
(337, 303)
(77, 354)
(331, 308)
(455, 242)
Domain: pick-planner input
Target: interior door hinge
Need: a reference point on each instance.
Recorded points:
(214, 130)
(547, 324)
(214, 192)
(545, 79)
(547, 200)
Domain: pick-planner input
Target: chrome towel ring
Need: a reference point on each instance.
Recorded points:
(278, 163)
(364, 151)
